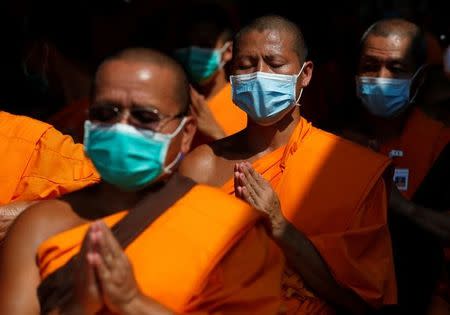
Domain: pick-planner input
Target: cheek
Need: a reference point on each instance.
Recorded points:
(174, 149)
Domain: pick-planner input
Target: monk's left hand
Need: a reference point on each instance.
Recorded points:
(114, 271)
(251, 187)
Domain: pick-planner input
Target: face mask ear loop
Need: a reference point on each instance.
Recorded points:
(301, 90)
(221, 50)
(180, 155)
(412, 99)
(169, 168)
(177, 131)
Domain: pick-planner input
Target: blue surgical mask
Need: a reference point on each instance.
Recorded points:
(128, 157)
(263, 95)
(385, 97)
(201, 63)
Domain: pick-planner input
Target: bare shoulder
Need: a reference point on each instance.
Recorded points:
(41, 221)
(199, 164)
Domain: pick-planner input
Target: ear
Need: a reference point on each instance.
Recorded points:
(227, 54)
(306, 75)
(188, 132)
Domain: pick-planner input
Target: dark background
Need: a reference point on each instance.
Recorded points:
(86, 31)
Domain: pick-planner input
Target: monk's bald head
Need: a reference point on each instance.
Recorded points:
(400, 28)
(156, 59)
(277, 23)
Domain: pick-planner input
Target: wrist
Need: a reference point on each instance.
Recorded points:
(280, 227)
(132, 305)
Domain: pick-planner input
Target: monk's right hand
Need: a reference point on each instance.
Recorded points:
(87, 299)
(206, 122)
(251, 187)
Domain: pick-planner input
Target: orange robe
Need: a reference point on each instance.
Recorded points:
(39, 162)
(421, 142)
(207, 254)
(333, 191)
(229, 117)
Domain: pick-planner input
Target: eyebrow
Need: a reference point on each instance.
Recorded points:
(386, 60)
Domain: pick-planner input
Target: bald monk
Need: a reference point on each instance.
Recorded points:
(390, 75)
(326, 197)
(180, 247)
(37, 162)
(205, 49)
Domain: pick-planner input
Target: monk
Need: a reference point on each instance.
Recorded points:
(326, 198)
(391, 73)
(205, 49)
(145, 240)
(37, 162)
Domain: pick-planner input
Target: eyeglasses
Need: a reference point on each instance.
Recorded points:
(148, 118)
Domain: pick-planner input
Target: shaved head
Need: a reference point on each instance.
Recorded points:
(279, 23)
(155, 58)
(403, 29)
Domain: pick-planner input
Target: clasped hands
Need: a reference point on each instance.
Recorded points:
(251, 187)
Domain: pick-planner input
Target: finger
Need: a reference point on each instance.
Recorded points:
(253, 186)
(257, 176)
(111, 240)
(86, 246)
(102, 271)
(251, 174)
(194, 109)
(238, 193)
(102, 247)
(236, 181)
(88, 271)
(193, 91)
(247, 197)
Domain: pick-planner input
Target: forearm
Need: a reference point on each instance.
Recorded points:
(143, 305)
(306, 260)
(435, 223)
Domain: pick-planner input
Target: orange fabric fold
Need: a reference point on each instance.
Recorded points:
(333, 191)
(39, 162)
(195, 258)
(421, 142)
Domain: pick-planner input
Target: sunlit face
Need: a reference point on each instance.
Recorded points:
(143, 95)
(270, 51)
(386, 57)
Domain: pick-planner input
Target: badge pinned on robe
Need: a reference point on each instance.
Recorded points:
(401, 177)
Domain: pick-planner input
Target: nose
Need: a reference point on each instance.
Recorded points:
(124, 116)
(383, 72)
(263, 67)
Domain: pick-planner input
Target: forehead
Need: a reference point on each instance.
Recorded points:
(387, 48)
(137, 83)
(266, 42)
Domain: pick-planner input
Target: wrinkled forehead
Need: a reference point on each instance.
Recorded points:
(136, 83)
(274, 38)
(386, 48)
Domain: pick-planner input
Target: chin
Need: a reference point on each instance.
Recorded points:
(269, 121)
